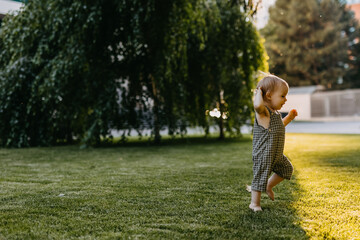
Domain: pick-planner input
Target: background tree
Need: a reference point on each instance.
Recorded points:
(306, 41)
(64, 63)
(352, 64)
(222, 67)
(54, 79)
(75, 70)
(154, 62)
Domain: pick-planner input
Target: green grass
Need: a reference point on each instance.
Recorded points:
(190, 189)
(328, 172)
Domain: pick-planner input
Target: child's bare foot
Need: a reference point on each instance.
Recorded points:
(270, 193)
(255, 208)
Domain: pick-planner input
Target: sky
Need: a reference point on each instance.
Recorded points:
(263, 14)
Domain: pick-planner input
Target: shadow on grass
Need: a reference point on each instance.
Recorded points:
(176, 193)
(212, 203)
(348, 159)
(214, 207)
(278, 220)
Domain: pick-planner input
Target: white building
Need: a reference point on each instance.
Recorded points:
(7, 6)
(313, 103)
(299, 98)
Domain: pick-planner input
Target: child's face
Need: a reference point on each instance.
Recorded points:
(278, 97)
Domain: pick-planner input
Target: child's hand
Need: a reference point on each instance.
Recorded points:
(292, 114)
(258, 91)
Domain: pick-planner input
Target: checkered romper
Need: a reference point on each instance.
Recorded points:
(267, 154)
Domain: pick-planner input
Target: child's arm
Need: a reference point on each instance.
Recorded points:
(259, 102)
(291, 116)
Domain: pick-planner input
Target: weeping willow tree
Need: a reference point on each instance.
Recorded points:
(75, 70)
(154, 66)
(223, 65)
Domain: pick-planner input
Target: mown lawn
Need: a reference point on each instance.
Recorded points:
(328, 173)
(187, 190)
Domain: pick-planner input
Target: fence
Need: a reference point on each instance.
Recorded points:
(335, 103)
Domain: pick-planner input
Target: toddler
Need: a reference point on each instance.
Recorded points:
(269, 139)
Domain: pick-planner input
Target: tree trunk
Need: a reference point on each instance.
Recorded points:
(221, 109)
(221, 126)
(157, 136)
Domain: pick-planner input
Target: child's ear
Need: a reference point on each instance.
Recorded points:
(268, 95)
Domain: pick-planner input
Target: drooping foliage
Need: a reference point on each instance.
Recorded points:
(152, 41)
(222, 67)
(55, 79)
(75, 70)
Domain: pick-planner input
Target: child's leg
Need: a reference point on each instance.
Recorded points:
(272, 182)
(255, 201)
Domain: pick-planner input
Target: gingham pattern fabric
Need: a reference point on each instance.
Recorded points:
(267, 154)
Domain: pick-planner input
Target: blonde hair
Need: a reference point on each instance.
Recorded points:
(270, 84)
